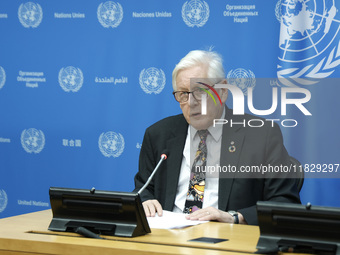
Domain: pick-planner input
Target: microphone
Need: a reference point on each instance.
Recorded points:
(163, 157)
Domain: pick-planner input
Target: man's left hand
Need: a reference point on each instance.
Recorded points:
(211, 213)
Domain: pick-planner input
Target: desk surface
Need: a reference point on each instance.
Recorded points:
(27, 234)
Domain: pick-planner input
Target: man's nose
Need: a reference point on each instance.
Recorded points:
(192, 100)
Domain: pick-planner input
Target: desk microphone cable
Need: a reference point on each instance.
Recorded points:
(87, 233)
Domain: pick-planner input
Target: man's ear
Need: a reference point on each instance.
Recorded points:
(224, 91)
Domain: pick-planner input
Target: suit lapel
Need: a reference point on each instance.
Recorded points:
(175, 147)
(231, 136)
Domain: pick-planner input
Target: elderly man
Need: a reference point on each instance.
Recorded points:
(193, 142)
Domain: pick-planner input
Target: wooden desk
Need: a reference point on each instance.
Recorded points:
(28, 234)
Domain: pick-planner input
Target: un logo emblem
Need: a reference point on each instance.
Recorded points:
(242, 78)
(3, 200)
(195, 13)
(111, 144)
(30, 14)
(2, 77)
(70, 79)
(110, 14)
(152, 80)
(32, 140)
(309, 40)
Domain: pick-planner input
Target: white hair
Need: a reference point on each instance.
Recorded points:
(209, 58)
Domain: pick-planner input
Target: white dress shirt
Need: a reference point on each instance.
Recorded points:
(214, 140)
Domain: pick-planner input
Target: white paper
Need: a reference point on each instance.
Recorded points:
(171, 220)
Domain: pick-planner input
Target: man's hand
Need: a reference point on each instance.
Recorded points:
(211, 213)
(151, 207)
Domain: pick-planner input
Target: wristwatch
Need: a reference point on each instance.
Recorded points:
(235, 216)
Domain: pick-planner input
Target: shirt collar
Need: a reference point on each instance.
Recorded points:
(216, 132)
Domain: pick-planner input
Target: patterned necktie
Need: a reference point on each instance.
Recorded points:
(194, 200)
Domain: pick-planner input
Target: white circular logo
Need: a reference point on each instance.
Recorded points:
(309, 39)
(110, 14)
(278, 10)
(71, 78)
(152, 80)
(242, 78)
(2, 77)
(32, 140)
(111, 144)
(30, 14)
(195, 13)
(3, 200)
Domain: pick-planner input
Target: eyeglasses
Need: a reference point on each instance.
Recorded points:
(183, 96)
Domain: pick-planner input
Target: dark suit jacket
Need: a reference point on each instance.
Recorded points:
(254, 146)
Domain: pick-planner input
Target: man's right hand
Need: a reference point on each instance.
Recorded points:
(151, 207)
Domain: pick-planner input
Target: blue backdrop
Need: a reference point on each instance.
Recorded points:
(80, 81)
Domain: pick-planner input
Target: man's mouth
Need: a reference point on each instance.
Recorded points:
(196, 114)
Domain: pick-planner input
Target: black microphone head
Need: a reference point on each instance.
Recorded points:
(165, 154)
